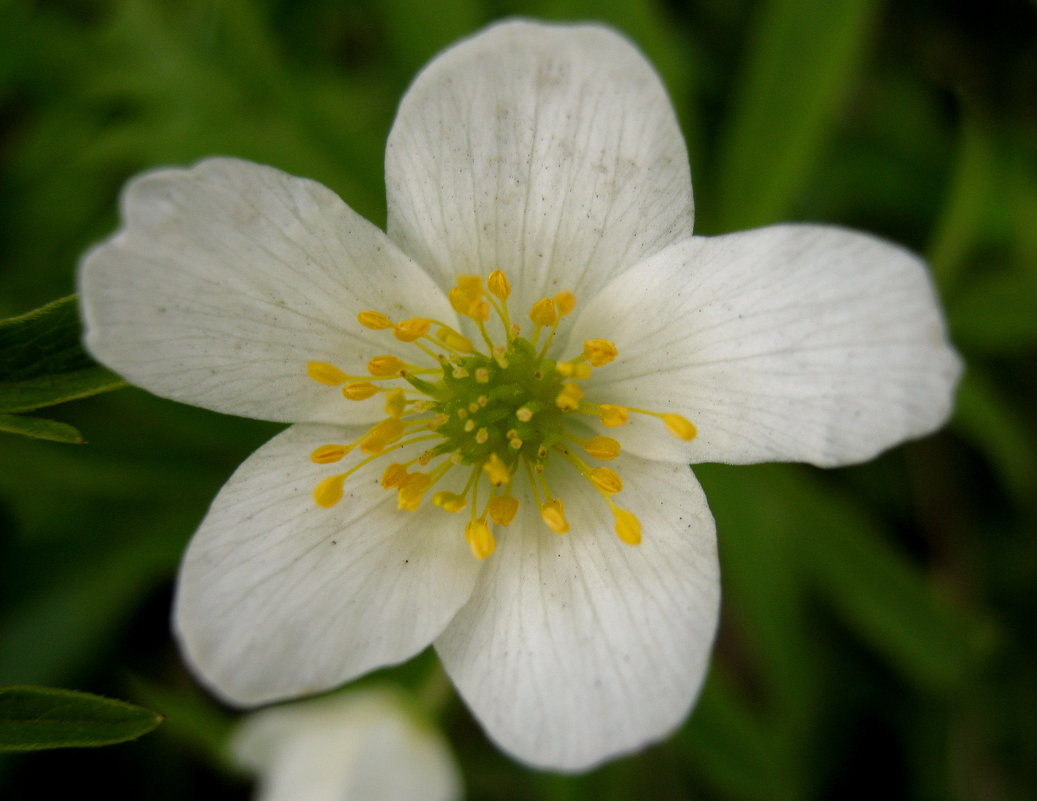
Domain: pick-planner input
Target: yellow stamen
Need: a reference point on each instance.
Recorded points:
(544, 312)
(385, 433)
(329, 491)
(470, 284)
(449, 501)
(454, 340)
(410, 493)
(325, 373)
(328, 454)
(376, 321)
(499, 284)
(394, 475)
(412, 329)
(383, 366)
(480, 539)
(496, 471)
(628, 527)
(577, 370)
(359, 391)
(613, 416)
(396, 403)
(606, 480)
(479, 311)
(502, 509)
(680, 427)
(460, 300)
(568, 399)
(601, 447)
(553, 513)
(565, 301)
(599, 352)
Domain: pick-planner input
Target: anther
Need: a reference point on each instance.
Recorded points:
(325, 373)
(499, 285)
(480, 539)
(628, 527)
(329, 491)
(680, 427)
(496, 470)
(480, 311)
(383, 366)
(601, 447)
(613, 416)
(396, 403)
(411, 491)
(565, 302)
(394, 475)
(553, 513)
(359, 391)
(544, 312)
(577, 370)
(502, 509)
(606, 480)
(449, 501)
(328, 454)
(454, 340)
(412, 329)
(568, 399)
(376, 321)
(384, 433)
(599, 352)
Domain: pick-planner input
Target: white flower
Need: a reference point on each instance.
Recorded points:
(363, 745)
(529, 167)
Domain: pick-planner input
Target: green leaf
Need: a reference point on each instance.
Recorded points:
(802, 60)
(997, 313)
(890, 603)
(37, 718)
(42, 361)
(987, 416)
(965, 203)
(733, 748)
(39, 428)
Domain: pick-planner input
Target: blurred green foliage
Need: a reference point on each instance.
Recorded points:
(877, 628)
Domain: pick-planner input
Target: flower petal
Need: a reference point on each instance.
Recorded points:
(227, 278)
(362, 745)
(550, 152)
(278, 597)
(575, 648)
(789, 343)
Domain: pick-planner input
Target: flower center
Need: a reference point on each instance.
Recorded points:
(488, 416)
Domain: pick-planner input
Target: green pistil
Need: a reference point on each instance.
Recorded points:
(487, 398)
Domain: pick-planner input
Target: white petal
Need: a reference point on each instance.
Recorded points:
(577, 648)
(278, 597)
(790, 343)
(227, 278)
(551, 152)
(362, 745)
